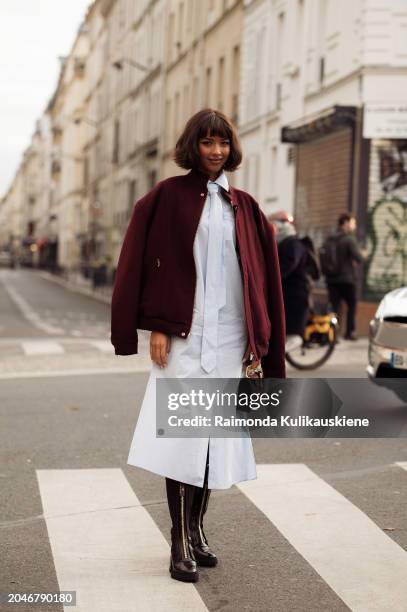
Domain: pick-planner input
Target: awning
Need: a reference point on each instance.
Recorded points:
(319, 124)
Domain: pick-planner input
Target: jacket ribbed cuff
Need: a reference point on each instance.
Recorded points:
(126, 348)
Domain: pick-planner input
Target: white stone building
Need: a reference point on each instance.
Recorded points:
(202, 65)
(131, 109)
(311, 71)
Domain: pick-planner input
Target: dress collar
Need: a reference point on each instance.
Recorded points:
(222, 181)
(200, 180)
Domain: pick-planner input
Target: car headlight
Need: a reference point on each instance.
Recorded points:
(374, 326)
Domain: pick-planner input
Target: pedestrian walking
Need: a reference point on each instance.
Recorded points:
(299, 268)
(199, 269)
(340, 257)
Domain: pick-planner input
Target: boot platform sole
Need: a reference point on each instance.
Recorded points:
(184, 576)
(208, 562)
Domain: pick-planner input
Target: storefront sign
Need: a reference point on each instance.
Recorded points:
(385, 121)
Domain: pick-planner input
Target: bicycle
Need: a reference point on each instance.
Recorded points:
(318, 342)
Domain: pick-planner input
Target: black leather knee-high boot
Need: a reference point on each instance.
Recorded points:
(201, 551)
(182, 563)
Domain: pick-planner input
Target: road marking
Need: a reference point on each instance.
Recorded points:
(104, 346)
(402, 464)
(42, 347)
(107, 547)
(77, 333)
(364, 567)
(30, 314)
(134, 369)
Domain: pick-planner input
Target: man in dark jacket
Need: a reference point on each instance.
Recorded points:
(342, 284)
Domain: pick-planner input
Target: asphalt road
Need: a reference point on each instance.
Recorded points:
(322, 528)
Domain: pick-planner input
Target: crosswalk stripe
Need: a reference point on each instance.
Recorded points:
(105, 346)
(364, 567)
(42, 347)
(107, 547)
(141, 367)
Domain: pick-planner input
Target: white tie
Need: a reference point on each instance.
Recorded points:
(213, 279)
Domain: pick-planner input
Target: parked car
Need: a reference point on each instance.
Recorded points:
(6, 259)
(388, 341)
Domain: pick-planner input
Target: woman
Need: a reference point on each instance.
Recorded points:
(199, 269)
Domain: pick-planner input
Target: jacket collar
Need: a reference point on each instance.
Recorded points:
(199, 180)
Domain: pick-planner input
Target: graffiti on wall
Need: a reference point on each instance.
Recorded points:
(387, 223)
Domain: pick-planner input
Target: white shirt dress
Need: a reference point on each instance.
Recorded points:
(231, 460)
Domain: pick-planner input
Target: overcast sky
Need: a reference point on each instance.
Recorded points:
(33, 33)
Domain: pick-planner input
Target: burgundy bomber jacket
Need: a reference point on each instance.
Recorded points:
(155, 280)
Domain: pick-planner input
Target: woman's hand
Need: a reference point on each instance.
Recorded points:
(159, 347)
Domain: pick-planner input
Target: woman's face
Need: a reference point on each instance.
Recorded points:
(214, 152)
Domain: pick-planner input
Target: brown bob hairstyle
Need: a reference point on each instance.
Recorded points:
(206, 122)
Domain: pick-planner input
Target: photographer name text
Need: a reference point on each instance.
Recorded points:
(268, 421)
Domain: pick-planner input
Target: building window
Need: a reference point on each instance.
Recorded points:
(122, 14)
(236, 66)
(321, 70)
(235, 83)
(299, 21)
(256, 174)
(197, 17)
(280, 56)
(180, 27)
(185, 108)
(147, 114)
(208, 86)
(273, 171)
(86, 174)
(171, 34)
(190, 14)
(132, 197)
(221, 79)
(246, 174)
(136, 131)
(168, 128)
(195, 95)
(152, 178)
(278, 96)
(176, 114)
(321, 48)
(116, 142)
(291, 155)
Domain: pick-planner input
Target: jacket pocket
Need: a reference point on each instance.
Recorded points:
(152, 302)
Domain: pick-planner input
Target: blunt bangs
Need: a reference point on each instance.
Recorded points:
(213, 125)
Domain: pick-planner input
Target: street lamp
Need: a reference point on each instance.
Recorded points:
(118, 64)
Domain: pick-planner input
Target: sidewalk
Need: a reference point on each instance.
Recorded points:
(349, 360)
(78, 283)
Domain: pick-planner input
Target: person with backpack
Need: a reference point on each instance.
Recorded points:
(339, 257)
(298, 267)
